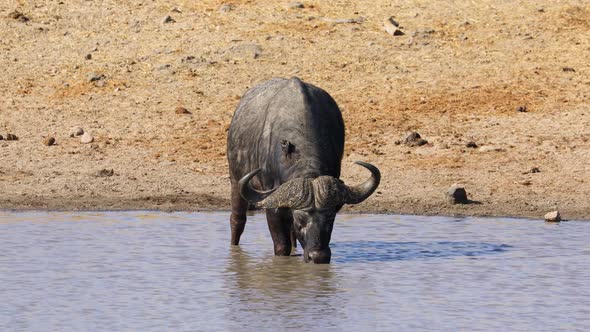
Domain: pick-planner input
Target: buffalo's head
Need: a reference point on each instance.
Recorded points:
(314, 203)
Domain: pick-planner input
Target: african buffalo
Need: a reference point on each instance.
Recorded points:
(284, 148)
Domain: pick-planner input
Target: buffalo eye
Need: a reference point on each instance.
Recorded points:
(287, 147)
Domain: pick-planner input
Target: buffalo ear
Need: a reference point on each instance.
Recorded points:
(287, 147)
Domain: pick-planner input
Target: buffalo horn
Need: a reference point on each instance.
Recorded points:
(361, 192)
(249, 193)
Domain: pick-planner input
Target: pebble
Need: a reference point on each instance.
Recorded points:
(168, 19)
(471, 144)
(414, 139)
(295, 5)
(11, 137)
(535, 170)
(392, 27)
(553, 216)
(16, 15)
(88, 56)
(49, 141)
(568, 69)
(187, 58)
(86, 138)
(1, 137)
(456, 194)
(93, 77)
(247, 50)
(225, 8)
(521, 109)
(182, 110)
(76, 131)
(105, 173)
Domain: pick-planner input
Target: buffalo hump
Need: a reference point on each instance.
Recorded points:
(288, 128)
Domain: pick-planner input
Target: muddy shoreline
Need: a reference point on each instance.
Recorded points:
(203, 203)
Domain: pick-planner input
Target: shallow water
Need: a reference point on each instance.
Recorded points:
(140, 271)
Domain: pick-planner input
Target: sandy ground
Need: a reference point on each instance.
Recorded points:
(458, 74)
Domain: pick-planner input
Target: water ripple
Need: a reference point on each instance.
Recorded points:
(383, 251)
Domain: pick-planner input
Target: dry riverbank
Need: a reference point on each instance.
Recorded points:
(510, 77)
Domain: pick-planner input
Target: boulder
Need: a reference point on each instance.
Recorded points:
(456, 194)
(553, 216)
(414, 139)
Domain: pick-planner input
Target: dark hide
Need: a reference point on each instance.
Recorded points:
(290, 130)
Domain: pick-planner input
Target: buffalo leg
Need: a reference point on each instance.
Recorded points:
(237, 221)
(293, 238)
(280, 223)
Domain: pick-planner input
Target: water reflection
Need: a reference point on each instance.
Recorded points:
(383, 251)
(286, 284)
(283, 275)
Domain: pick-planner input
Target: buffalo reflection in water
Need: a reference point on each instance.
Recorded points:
(272, 283)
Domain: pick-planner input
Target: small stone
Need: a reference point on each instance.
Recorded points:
(88, 56)
(182, 110)
(76, 131)
(16, 15)
(414, 139)
(392, 27)
(456, 194)
(1, 137)
(533, 170)
(295, 5)
(568, 69)
(86, 138)
(225, 8)
(471, 144)
(521, 109)
(11, 137)
(94, 77)
(49, 141)
(168, 19)
(187, 58)
(553, 216)
(252, 51)
(105, 173)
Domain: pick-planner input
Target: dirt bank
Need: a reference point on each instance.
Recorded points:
(120, 70)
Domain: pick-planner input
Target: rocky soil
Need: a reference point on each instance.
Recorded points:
(498, 90)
